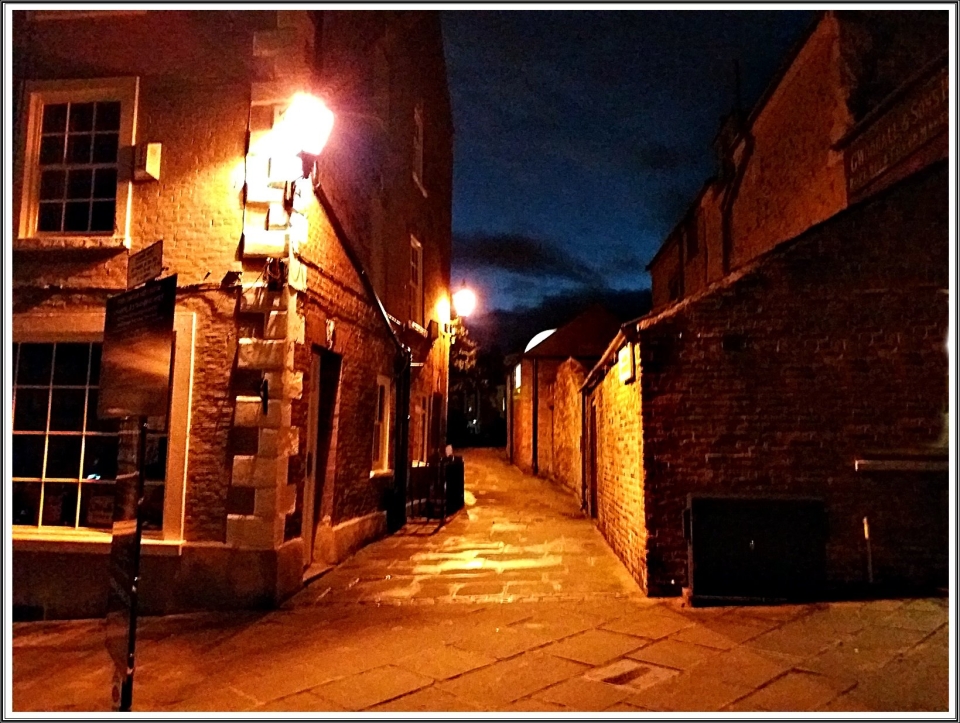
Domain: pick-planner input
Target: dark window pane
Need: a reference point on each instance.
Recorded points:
(71, 363)
(66, 410)
(50, 217)
(81, 116)
(153, 507)
(51, 150)
(63, 457)
(31, 410)
(55, 118)
(156, 458)
(78, 149)
(80, 183)
(94, 423)
(105, 148)
(105, 183)
(13, 356)
(103, 216)
(27, 455)
(100, 458)
(51, 185)
(60, 505)
(95, 364)
(36, 361)
(96, 505)
(108, 116)
(77, 217)
(26, 503)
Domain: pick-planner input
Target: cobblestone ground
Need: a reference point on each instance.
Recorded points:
(514, 605)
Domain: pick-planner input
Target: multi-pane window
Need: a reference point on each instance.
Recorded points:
(78, 167)
(381, 426)
(416, 281)
(64, 457)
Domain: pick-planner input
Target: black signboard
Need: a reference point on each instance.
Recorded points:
(137, 346)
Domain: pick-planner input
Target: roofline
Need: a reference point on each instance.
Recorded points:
(631, 328)
(683, 218)
(758, 107)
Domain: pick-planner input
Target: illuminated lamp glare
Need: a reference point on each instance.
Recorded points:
(464, 301)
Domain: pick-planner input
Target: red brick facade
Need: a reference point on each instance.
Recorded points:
(797, 343)
(781, 168)
(828, 349)
(209, 87)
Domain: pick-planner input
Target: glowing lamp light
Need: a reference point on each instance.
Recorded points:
(464, 302)
(443, 310)
(304, 127)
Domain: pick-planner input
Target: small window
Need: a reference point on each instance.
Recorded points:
(673, 288)
(418, 147)
(72, 184)
(423, 428)
(516, 378)
(381, 426)
(691, 233)
(625, 365)
(416, 281)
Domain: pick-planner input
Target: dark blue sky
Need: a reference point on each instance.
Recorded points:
(582, 135)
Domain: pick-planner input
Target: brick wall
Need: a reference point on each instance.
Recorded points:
(794, 179)
(203, 76)
(567, 420)
(832, 346)
(621, 514)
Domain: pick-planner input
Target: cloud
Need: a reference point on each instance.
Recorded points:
(522, 255)
(510, 329)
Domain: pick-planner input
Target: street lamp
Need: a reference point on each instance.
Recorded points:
(464, 301)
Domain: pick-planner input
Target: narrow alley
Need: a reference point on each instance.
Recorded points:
(516, 604)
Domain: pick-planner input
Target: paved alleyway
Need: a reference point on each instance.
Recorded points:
(518, 539)
(515, 605)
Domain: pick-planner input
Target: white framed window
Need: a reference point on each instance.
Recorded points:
(423, 430)
(74, 183)
(416, 281)
(418, 147)
(64, 459)
(381, 426)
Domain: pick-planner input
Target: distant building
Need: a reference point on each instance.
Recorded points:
(792, 377)
(533, 435)
(297, 299)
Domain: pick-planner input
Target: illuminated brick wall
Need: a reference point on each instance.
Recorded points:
(825, 349)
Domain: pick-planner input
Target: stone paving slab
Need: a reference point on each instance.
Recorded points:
(392, 629)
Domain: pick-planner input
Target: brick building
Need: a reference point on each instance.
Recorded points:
(796, 350)
(532, 432)
(310, 290)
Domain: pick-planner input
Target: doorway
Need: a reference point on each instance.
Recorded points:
(321, 442)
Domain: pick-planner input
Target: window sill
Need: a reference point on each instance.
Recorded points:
(933, 459)
(31, 540)
(72, 243)
(380, 473)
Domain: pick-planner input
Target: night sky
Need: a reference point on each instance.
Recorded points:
(581, 136)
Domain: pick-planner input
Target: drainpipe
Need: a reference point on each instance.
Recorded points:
(404, 360)
(730, 198)
(535, 451)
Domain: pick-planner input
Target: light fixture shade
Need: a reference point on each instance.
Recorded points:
(464, 302)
